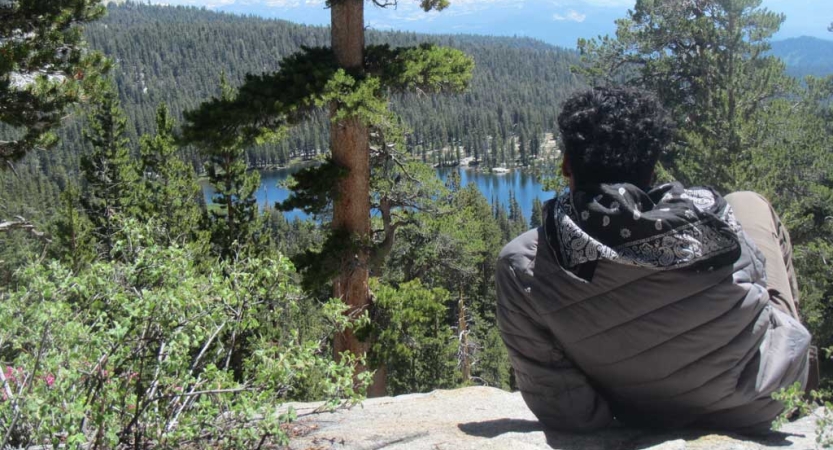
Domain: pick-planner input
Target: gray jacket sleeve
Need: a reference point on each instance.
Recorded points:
(556, 391)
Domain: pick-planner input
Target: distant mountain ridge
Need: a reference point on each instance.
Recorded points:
(805, 55)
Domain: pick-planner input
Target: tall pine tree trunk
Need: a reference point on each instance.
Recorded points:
(351, 211)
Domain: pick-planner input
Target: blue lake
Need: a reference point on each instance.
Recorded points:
(495, 187)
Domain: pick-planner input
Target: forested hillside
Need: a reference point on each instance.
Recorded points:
(176, 55)
(805, 56)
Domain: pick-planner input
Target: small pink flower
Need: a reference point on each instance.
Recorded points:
(50, 380)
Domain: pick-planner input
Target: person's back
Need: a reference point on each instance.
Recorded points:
(648, 304)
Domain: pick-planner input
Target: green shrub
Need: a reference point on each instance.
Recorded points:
(149, 350)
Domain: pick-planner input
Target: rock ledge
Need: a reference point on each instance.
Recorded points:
(492, 419)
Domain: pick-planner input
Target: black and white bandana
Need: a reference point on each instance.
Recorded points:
(665, 228)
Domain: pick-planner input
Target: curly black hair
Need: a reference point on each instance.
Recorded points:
(614, 135)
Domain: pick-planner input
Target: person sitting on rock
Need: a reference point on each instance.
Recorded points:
(662, 306)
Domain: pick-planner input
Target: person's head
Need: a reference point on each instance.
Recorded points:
(613, 135)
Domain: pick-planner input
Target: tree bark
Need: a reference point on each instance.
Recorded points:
(350, 145)
(462, 329)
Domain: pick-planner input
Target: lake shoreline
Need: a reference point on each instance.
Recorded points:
(498, 188)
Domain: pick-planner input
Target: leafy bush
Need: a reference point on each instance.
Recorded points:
(796, 404)
(151, 350)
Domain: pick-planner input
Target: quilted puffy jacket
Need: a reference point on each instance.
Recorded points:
(655, 348)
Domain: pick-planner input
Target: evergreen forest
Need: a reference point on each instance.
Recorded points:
(138, 315)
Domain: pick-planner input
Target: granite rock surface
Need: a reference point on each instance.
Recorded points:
(491, 419)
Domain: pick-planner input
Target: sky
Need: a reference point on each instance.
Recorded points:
(559, 22)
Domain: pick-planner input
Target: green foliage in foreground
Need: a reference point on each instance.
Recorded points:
(796, 403)
(149, 350)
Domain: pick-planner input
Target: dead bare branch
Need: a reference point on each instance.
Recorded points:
(19, 223)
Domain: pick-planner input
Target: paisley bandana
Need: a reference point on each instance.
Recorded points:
(665, 228)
